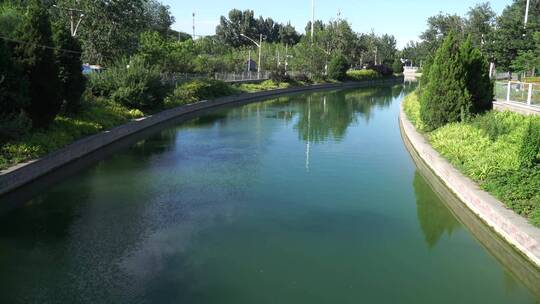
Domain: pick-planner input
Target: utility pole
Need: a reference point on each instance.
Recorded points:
(75, 16)
(312, 20)
(249, 61)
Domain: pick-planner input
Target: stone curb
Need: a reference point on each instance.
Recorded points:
(511, 226)
(22, 174)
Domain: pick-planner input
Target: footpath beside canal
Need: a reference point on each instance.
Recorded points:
(22, 174)
(512, 227)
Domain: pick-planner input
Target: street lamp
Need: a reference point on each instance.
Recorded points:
(259, 45)
(527, 12)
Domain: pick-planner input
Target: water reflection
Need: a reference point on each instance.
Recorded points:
(434, 218)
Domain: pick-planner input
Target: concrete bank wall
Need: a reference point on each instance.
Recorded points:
(22, 174)
(510, 226)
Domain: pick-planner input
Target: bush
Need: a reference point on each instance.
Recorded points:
(362, 74)
(197, 90)
(134, 84)
(397, 66)
(411, 106)
(382, 69)
(337, 68)
(445, 98)
(301, 77)
(477, 79)
(280, 75)
(530, 146)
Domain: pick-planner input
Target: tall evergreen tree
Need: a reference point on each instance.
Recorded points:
(478, 81)
(68, 58)
(13, 97)
(35, 54)
(445, 98)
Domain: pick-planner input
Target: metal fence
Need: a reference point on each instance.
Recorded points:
(226, 77)
(245, 76)
(520, 92)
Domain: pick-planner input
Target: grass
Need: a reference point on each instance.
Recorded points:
(531, 79)
(487, 149)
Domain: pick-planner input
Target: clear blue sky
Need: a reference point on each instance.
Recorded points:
(405, 19)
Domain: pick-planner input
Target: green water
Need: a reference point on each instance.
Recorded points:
(304, 199)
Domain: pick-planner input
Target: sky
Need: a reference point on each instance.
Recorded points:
(405, 19)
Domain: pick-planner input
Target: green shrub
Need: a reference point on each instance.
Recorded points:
(359, 75)
(337, 68)
(411, 106)
(477, 78)
(530, 146)
(134, 84)
(397, 66)
(197, 90)
(445, 98)
(280, 75)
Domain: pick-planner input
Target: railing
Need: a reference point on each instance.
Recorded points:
(226, 77)
(245, 76)
(410, 69)
(520, 92)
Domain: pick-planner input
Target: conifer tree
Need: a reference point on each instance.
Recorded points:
(13, 97)
(68, 59)
(35, 54)
(478, 82)
(445, 98)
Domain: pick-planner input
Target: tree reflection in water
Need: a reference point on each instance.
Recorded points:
(435, 219)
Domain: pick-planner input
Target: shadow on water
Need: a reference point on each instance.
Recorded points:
(514, 263)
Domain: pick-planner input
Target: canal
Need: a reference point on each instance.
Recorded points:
(308, 198)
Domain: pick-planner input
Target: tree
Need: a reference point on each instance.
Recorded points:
(68, 59)
(288, 35)
(229, 30)
(477, 78)
(37, 59)
(386, 49)
(511, 36)
(13, 97)
(480, 24)
(337, 68)
(111, 29)
(525, 62)
(438, 27)
(159, 17)
(445, 98)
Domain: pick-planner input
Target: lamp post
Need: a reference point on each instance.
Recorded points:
(259, 45)
(527, 13)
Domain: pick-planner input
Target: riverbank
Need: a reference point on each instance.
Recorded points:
(23, 173)
(514, 228)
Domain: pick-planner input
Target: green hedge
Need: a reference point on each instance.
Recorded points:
(359, 75)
